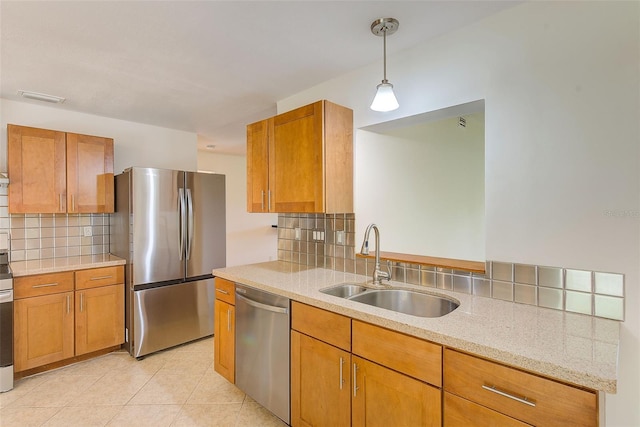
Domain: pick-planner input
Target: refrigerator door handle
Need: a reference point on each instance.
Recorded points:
(182, 218)
(189, 222)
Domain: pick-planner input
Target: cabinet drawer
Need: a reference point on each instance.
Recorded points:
(403, 353)
(459, 412)
(225, 290)
(527, 397)
(42, 284)
(96, 277)
(324, 325)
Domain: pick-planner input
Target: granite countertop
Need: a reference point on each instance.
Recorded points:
(578, 349)
(55, 265)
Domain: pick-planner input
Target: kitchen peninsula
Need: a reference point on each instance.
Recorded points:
(546, 344)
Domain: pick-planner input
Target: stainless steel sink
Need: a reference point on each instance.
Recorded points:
(344, 290)
(400, 300)
(407, 302)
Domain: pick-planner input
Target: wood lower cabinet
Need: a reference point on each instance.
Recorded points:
(341, 373)
(224, 340)
(383, 397)
(459, 412)
(43, 330)
(62, 315)
(517, 394)
(58, 172)
(320, 383)
(99, 318)
(301, 161)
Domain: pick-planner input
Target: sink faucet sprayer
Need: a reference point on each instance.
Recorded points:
(378, 275)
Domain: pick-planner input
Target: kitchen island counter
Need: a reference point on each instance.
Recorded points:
(57, 265)
(578, 349)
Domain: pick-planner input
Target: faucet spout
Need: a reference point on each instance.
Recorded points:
(378, 274)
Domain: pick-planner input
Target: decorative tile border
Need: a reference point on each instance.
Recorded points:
(593, 293)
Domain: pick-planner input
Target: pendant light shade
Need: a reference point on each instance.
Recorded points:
(385, 99)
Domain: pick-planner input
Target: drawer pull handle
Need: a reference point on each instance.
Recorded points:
(222, 291)
(341, 378)
(45, 285)
(101, 277)
(524, 400)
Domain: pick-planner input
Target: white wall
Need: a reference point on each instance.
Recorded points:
(423, 185)
(562, 162)
(135, 144)
(250, 237)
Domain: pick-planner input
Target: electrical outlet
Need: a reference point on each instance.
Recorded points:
(340, 237)
(298, 233)
(87, 232)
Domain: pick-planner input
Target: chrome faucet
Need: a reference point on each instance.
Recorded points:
(378, 275)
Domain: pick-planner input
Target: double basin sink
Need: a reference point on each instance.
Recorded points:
(399, 300)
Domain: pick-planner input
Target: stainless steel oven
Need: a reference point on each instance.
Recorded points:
(6, 324)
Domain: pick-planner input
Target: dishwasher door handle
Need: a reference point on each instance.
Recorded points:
(282, 310)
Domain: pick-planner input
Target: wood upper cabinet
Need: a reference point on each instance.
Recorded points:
(57, 172)
(224, 347)
(89, 174)
(37, 170)
(302, 161)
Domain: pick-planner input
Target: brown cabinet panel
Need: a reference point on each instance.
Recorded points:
(96, 277)
(89, 174)
(42, 284)
(324, 325)
(225, 290)
(534, 399)
(409, 355)
(258, 166)
(37, 166)
(224, 340)
(383, 397)
(459, 412)
(99, 318)
(43, 330)
(320, 383)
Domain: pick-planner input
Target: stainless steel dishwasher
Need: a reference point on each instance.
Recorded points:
(262, 348)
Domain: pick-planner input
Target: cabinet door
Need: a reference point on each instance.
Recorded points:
(382, 397)
(296, 174)
(89, 174)
(224, 347)
(320, 383)
(43, 330)
(36, 165)
(99, 318)
(459, 412)
(258, 196)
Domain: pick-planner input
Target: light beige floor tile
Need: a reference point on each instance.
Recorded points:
(188, 363)
(253, 414)
(166, 389)
(26, 417)
(204, 345)
(116, 389)
(98, 366)
(145, 416)
(218, 415)
(20, 388)
(213, 388)
(56, 391)
(83, 416)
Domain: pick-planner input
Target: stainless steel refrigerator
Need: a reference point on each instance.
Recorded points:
(170, 227)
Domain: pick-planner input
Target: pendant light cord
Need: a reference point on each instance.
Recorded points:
(384, 55)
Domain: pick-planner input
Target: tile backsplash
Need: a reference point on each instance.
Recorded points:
(41, 236)
(328, 241)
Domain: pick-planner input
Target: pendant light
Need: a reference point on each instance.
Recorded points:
(385, 99)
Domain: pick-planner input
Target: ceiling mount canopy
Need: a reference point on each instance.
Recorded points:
(385, 99)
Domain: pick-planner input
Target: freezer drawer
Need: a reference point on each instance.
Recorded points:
(262, 348)
(167, 316)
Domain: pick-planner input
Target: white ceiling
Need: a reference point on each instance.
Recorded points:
(208, 67)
